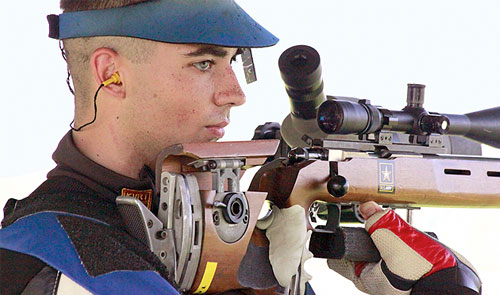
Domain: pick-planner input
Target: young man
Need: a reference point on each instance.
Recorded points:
(146, 75)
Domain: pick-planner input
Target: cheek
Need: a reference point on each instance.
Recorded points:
(178, 110)
(187, 101)
(186, 114)
(179, 101)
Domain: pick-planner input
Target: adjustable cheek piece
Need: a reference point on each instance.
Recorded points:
(204, 222)
(115, 79)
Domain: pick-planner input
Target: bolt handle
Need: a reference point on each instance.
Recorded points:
(337, 186)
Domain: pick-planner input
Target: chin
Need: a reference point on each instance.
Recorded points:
(202, 140)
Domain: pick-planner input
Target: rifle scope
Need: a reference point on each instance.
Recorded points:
(336, 116)
(300, 69)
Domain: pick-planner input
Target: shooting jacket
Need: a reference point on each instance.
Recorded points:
(70, 227)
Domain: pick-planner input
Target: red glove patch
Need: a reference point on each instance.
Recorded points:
(358, 268)
(438, 255)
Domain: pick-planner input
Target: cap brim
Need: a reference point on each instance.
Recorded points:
(217, 22)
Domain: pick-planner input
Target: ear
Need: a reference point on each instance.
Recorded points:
(104, 62)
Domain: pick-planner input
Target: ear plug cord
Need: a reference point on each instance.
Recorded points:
(115, 79)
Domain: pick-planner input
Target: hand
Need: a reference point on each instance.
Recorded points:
(412, 262)
(287, 233)
(368, 209)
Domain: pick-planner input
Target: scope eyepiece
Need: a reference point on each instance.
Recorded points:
(337, 116)
(300, 69)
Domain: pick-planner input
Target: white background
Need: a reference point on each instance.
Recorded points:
(369, 49)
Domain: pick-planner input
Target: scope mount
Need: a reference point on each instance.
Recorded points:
(385, 143)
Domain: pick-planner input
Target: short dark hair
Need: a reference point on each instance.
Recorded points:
(79, 50)
(79, 5)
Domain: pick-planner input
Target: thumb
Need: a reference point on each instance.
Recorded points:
(368, 209)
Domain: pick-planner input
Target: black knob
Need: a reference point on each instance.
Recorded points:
(434, 124)
(415, 96)
(235, 208)
(337, 186)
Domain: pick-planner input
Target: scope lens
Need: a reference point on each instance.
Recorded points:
(337, 116)
(330, 117)
(444, 125)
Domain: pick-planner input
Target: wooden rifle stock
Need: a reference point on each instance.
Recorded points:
(427, 181)
(435, 181)
(404, 182)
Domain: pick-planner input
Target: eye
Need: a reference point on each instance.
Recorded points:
(204, 65)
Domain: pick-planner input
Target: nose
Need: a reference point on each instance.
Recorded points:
(228, 91)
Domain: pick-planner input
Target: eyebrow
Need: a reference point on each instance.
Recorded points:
(211, 50)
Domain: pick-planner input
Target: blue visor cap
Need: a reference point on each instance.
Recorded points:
(216, 22)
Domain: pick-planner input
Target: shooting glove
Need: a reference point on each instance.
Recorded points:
(412, 262)
(287, 234)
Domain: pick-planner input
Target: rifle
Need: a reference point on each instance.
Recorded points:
(330, 154)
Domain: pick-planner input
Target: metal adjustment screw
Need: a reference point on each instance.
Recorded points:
(435, 141)
(150, 223)
(219, 204)
(385, 138)
(235, 208)
(161, 235)
(216, 218)
(165, 189)
(212, 165)
(164, 206)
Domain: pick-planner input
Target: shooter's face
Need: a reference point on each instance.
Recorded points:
(184, 95)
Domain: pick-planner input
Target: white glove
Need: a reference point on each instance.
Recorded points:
(287, 234)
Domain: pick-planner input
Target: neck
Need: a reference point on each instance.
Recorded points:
(110, 149)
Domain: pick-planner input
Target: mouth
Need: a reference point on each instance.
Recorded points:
(217, 130)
